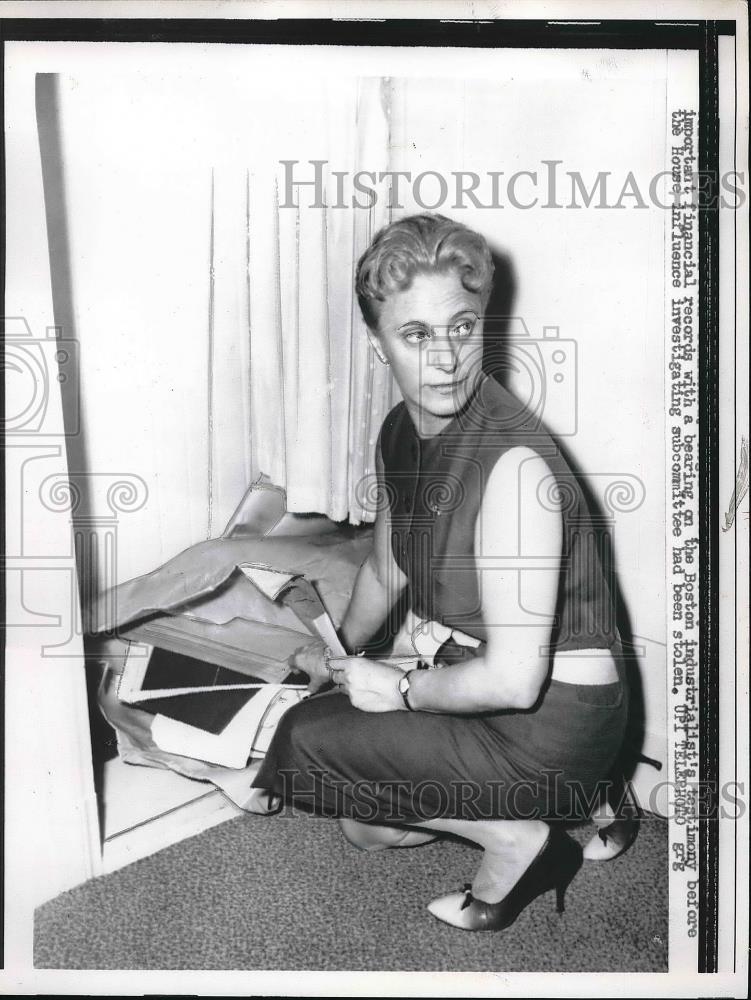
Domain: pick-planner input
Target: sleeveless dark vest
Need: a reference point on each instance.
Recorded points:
(434, 489)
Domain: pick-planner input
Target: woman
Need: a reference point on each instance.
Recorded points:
(488, 533)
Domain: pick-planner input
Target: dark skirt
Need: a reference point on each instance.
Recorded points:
(551, 762)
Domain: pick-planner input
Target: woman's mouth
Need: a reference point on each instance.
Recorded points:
(447, 388)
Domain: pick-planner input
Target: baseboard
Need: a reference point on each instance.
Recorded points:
(148, 809)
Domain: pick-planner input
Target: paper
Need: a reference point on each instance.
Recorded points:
(231, 747)
(269, 581)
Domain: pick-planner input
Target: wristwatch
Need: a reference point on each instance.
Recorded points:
(404, 690)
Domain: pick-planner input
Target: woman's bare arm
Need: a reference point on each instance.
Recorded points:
(378, 585)
(520, 539)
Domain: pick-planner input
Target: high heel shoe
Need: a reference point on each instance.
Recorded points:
(261, 802)
(554, 867)
(612, 841)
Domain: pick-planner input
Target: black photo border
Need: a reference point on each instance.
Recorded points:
(699, 35)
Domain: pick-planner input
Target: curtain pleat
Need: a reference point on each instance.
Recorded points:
(266, 385)
(317, 397)
(372, 397)
(228, 420)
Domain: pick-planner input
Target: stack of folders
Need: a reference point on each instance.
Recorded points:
(222, 715)
(203, 710)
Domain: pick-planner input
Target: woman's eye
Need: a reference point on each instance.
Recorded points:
(465, 328)
(416, 336)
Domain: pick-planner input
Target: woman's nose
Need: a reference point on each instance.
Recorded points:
(444, 354)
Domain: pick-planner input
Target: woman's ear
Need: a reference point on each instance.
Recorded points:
(375, 344)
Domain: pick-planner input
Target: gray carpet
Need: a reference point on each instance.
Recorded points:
(287, 892)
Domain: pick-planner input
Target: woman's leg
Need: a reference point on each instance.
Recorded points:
(378, 837)
(509, 847)
(384, 769)
(522, 859)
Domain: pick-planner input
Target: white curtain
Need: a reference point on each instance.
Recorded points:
(317, 393)
(218, 332)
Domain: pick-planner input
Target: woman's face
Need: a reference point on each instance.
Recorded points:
(431, 334)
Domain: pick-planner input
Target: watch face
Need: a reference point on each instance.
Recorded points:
(404, 690)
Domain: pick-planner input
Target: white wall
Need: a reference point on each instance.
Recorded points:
(51, 835)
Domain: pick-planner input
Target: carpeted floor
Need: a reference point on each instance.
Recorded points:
(287, 892)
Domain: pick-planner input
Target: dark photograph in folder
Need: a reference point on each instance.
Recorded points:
(176, 670)
(208, 710)
(189, 689)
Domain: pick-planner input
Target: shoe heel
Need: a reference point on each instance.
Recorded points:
(567, 876)
(561, 886)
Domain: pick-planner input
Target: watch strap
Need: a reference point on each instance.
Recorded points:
(404, 690)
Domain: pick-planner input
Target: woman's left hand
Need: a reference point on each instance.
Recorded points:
(371, 685)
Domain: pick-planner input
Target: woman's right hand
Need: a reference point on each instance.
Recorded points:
(311, 659)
